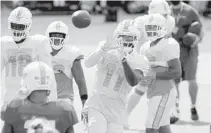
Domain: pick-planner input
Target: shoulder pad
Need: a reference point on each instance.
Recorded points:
(16, 103)
(74, 52)
(64, 104)
(6, 39)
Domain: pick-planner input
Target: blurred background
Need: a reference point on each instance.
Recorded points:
(96, 6)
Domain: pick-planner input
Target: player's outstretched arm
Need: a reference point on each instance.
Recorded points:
(7, 128)
(129, 73)
(103, 48)
(94, 57)
(80, 80)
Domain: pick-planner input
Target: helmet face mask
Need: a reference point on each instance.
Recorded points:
(155, 27)
(19, 23)
(57, 32)
(128, 35)
(57, 40)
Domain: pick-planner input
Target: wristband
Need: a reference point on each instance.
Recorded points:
(124, 59)
(84, 97)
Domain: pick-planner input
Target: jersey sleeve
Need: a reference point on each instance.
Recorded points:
(44, 49)
(9, 111)
(172, 50)
(76, 53)
(69, 112)
(140, 62)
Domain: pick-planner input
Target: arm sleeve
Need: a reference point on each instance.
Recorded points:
(95, 57)
(44, 52)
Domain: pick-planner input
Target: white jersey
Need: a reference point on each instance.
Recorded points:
(16, 56)
(160, 54)
(62, 65)
(111, 88)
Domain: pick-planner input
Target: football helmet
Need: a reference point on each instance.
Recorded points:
(58, 34)
(19, 23)
(159, 6)
(36, 76)
(155, 27)
(129, 35)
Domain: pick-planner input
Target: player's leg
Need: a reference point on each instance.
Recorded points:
(114, 128)
(133, 99)
(97, 123)
(165, 124)
(190, 76)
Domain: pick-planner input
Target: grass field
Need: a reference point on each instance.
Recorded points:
(87, 40)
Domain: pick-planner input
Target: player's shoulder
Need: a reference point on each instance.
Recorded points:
(6, 39)
(72, 52)
(63, 105)
(172, 41)
(15, 103)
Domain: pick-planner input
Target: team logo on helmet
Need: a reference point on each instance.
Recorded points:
(19, 15)
(58, 26)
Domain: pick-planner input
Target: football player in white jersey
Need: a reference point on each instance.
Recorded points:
(155, 6)
(119, 68)
(19, 49)
(163, 55)
(66, 63)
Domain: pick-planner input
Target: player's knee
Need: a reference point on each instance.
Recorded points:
(165, 129)
(151, 130)
(96, 122)
(177, 81)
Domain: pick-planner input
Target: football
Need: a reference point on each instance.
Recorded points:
(189, 39)
(195, 28)
(81, 19)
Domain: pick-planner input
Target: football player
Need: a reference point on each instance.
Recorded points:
(33, 103)
(163, 55)
(185, 16)
(155, 6)
(119, 69)
(19, 49)
(66, 63)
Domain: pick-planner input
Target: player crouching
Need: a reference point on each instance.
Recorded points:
(33, 103)
(163, 55)
(118, 70)
(66, 63)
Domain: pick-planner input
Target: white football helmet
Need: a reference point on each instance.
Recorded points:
(36, 76)
(170, 24)
(155, 26)
(58, 34)
(19, 23)
(159, 6)
(128, 33)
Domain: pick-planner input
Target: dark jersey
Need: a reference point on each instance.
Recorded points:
(19, 113)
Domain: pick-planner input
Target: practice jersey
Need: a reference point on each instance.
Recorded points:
(164, 51)
(111, 87)
(62, 65)
(16, 56)
(189, 14)
(19, 113)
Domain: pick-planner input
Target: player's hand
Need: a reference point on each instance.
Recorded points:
(148, 78)
(196, 42)
(109, 44)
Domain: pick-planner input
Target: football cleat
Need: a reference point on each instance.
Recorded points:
(194, 114)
